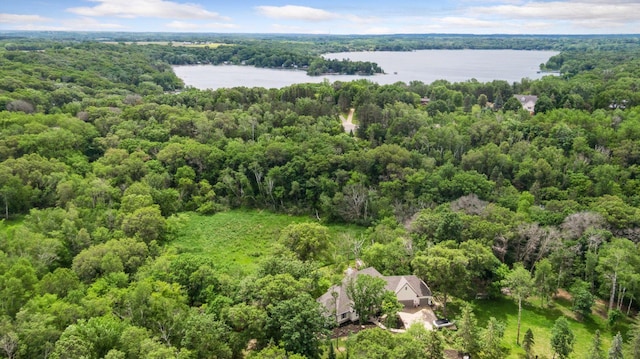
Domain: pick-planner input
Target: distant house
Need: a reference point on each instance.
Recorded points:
(425, 101)
(528, 102)
(409, 289)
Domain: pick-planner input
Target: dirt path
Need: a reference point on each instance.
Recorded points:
(347, 123)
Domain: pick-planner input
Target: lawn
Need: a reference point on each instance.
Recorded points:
(540, 321)
(237, 239)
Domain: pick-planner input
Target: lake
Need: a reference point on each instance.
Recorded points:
(423, 65)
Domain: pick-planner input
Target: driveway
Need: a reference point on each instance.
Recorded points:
(423, 315)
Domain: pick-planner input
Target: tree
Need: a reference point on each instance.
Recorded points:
(527, 342)
(512, 104)
(614, 262)
(543, 104)
(433, 346)
(206, 336)
(596, 352)
(444, 268)
(482, 100)
(492, 338)
(375, 343)
(390, 308)
(367, 293)
(562, 338)
(307, 240)
(583, 300)
(298, 324)
(467, 335)
(146, 223)
(615, 352)
(9, 340)
(545, 280)
(520, 283)
(274, 352)
(634, 349)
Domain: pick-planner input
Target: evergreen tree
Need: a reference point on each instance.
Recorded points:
(596, 352)
(615, 352)
(492, 339)
(434, 348)
(528, 342)
(467, 334)
(332, 353)
(634, 342)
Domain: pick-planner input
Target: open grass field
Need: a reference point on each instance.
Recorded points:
(541, 320)
(238, 239)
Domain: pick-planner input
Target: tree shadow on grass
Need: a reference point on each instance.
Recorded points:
(499, 308)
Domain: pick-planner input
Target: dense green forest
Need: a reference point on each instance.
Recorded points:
(106, 161)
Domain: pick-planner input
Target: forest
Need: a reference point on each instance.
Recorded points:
(108, 164)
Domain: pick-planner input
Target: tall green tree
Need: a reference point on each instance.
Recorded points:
(562, 338)
(527, 342)
(443, 268)
(596, 351)
(583, 300)
(545, 280)
(307, 240)
(299, 325)
(520, 283)
(634, 342)
(492, 339)
(367, 293)
(615, 262)
(615, 351)
(467, 335)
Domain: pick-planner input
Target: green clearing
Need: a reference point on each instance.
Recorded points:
(9, 226)
(237, 239)
(540, 321)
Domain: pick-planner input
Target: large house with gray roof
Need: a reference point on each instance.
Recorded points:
(409, 289)
(528, 102)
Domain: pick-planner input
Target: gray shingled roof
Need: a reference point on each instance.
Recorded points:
(341, 303)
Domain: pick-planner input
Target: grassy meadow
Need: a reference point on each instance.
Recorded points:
(540, 320)
(237, 239)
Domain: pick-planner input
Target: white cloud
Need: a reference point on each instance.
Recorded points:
(74, 24)
(89, 24)
(566, 10)
(293, 12)
(146, 8)
(21, 19)
(189, 26)
(468, 22)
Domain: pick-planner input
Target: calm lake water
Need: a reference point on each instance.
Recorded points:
(424, 65)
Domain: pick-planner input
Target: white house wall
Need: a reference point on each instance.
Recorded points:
(406, 294)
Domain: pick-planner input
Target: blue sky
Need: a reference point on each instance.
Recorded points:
(326, 17)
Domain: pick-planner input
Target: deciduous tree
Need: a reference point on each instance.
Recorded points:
(562, 338)
(520, 283)
(367, 293)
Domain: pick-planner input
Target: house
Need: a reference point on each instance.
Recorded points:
(409, 289)
(528, 102)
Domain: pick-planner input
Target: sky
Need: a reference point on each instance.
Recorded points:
(326, 17)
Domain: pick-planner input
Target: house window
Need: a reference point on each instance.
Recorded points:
(344, 315)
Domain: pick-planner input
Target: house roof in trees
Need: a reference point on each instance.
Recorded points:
(528, 101)
(336, 297)
(396, 283)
